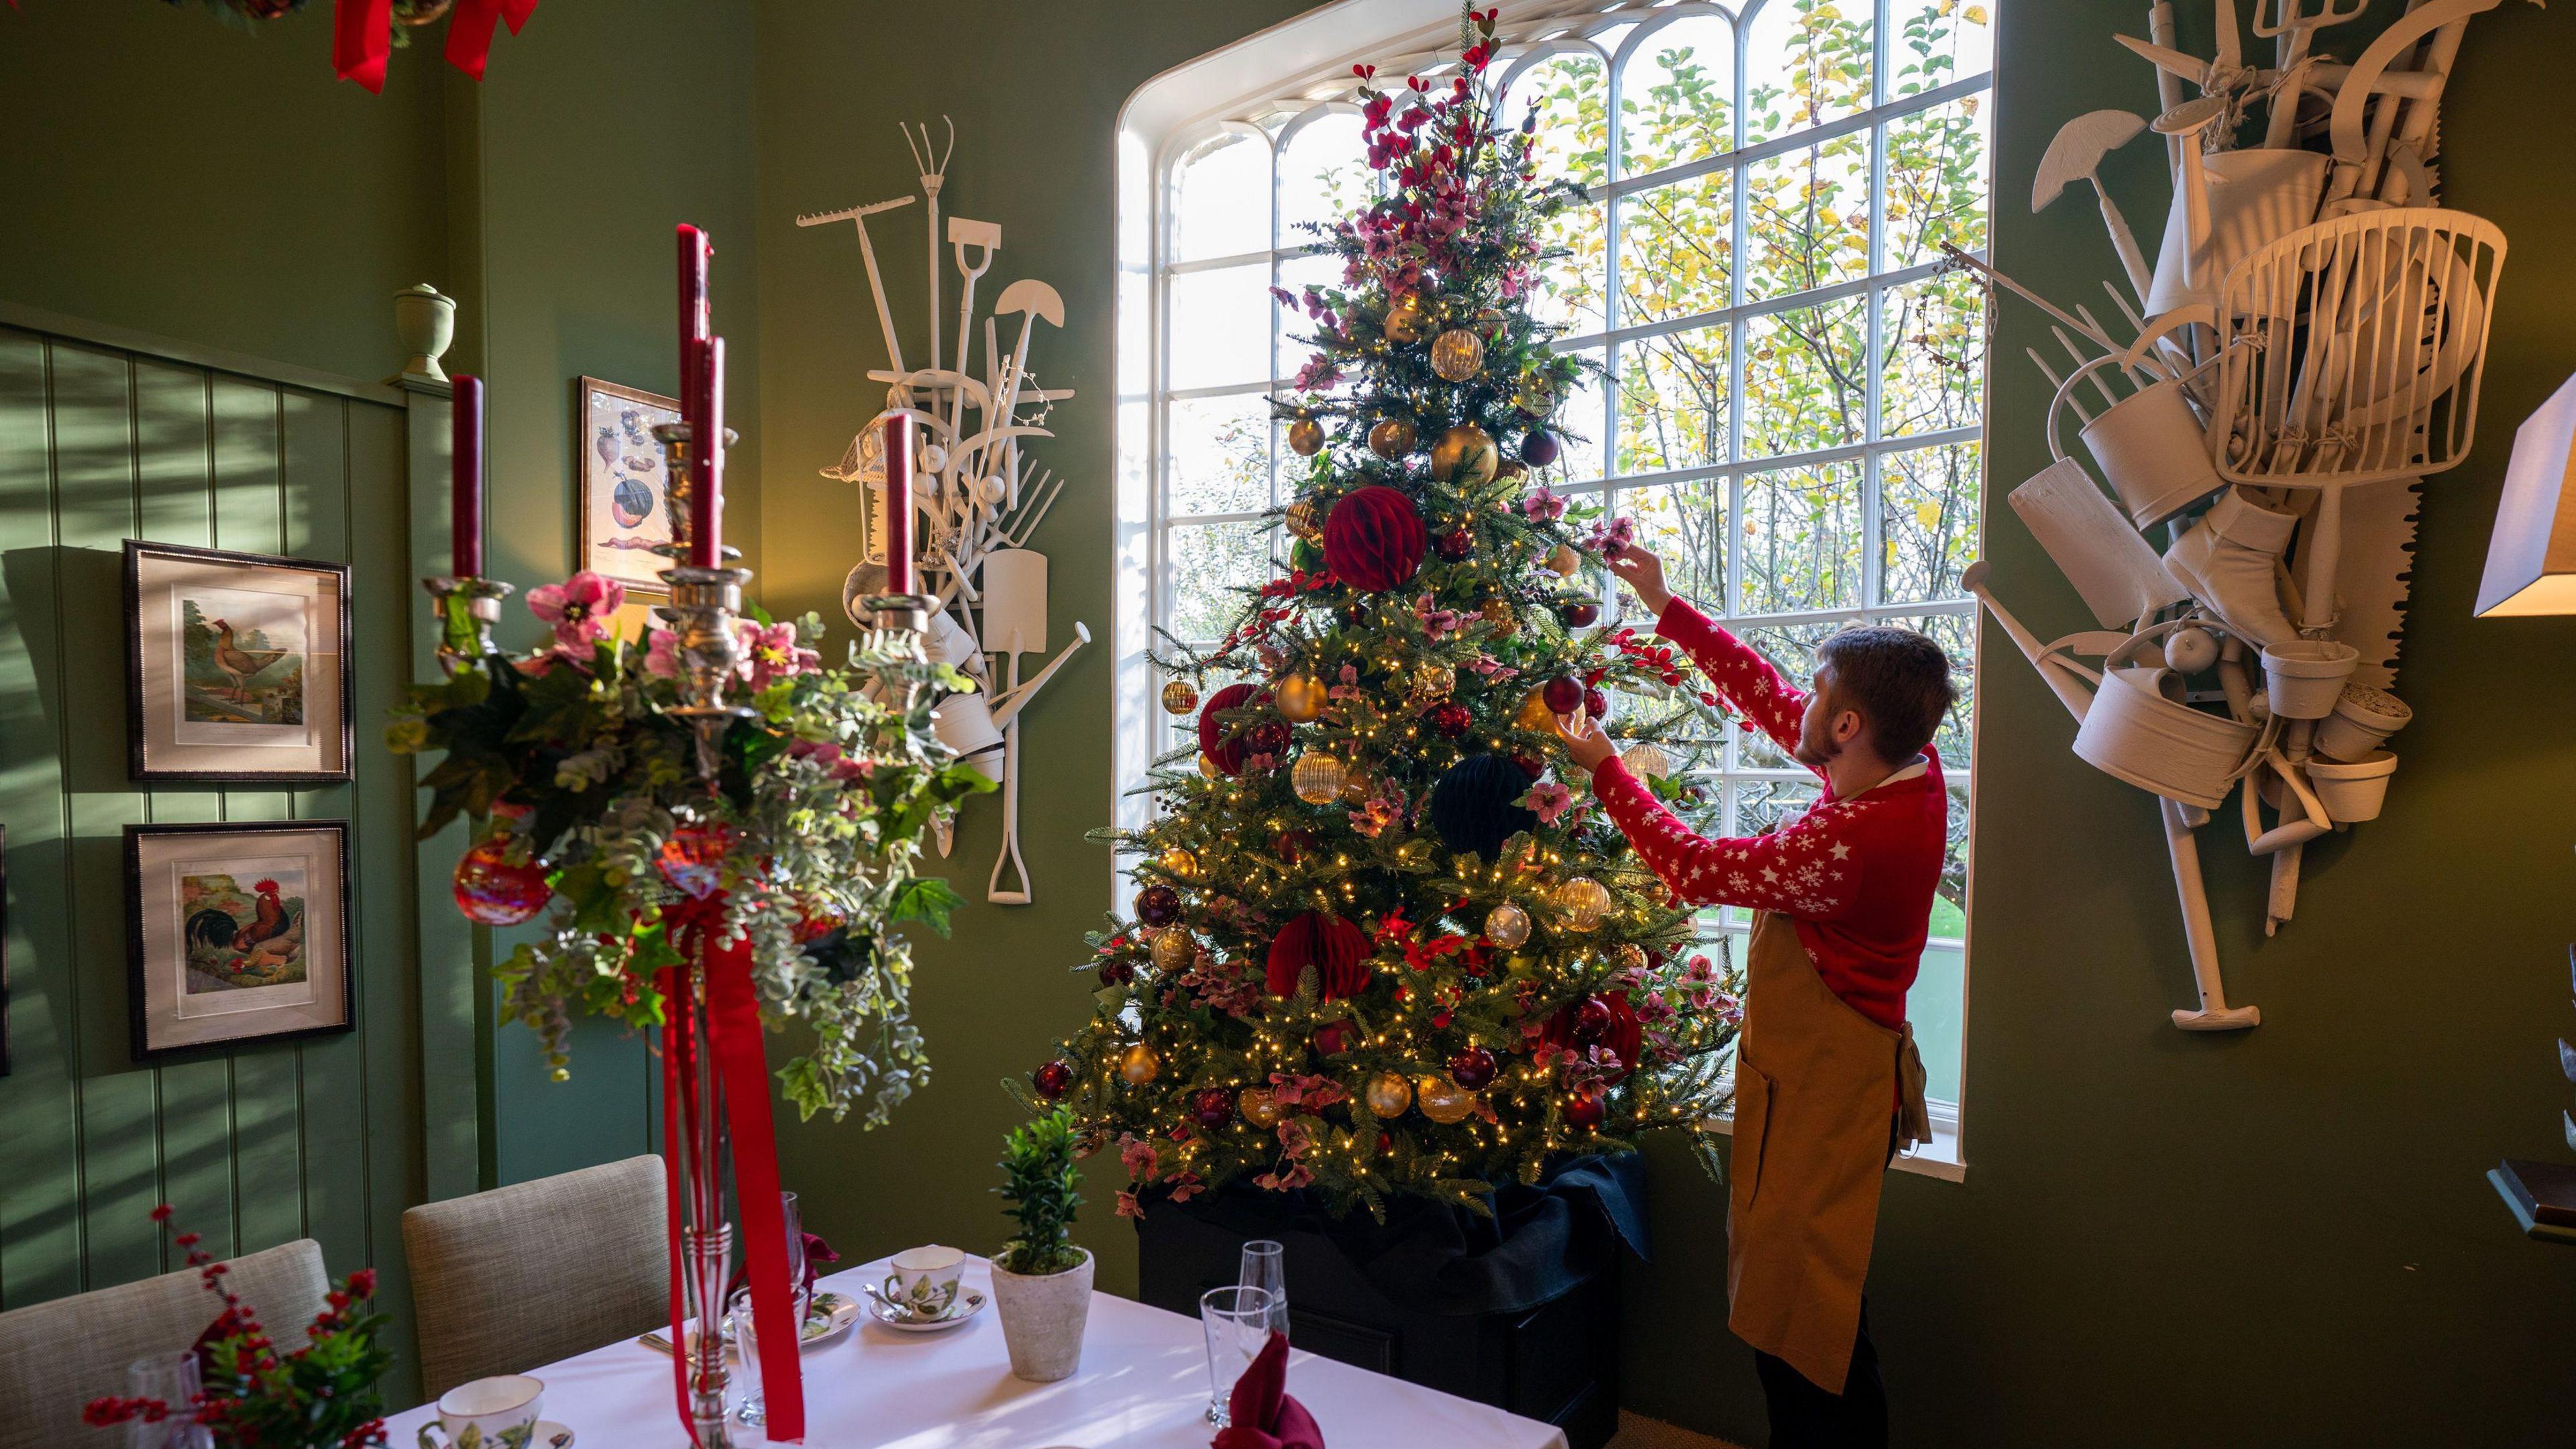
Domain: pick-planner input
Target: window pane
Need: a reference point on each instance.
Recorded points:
(1220, 455)
(1676, 249)
(1221, 199)
(1802, 539)
(1672, 401)
(1569, 95)
(1805, 64)
(1936, 1008)
(1957, 633)
(1761, 805)
(1927, 527)
(1684, 524)
(1807, 218)
(1937, 181)
(1805, 379)
(1932, 372)
(1937, 42)
(1578, 422)
(1791, 648)
(1571, 286)
(1323, 175)
(1677, 96)
(1296, 327)
(1208, 563)
(1220, 326)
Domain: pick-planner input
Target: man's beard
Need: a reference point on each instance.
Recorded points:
(1815, 753)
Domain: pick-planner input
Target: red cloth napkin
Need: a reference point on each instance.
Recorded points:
(1264, 1416)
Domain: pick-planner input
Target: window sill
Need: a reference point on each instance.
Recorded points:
(1939, 1159)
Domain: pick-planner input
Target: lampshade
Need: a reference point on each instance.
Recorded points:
(2531, 560)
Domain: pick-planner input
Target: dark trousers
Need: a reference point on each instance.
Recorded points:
(1806, 1417)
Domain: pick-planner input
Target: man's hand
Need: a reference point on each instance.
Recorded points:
(1643, 572)
(1585, 741)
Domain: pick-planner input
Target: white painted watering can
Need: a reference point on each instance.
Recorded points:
(2150, 445)
(2249, 198)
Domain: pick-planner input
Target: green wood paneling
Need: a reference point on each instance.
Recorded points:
(261, 1144)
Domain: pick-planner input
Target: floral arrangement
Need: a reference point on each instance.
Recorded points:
(806, 843)
(320, 1396)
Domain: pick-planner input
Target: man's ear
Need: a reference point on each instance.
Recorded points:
(1848, 726)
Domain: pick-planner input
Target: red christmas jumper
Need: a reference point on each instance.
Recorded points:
(1856, 876)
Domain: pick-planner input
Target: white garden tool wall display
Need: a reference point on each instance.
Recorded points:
(976, 498)
(2304, 351)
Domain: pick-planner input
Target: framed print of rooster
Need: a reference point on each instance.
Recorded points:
(236, 931)
(236, 666)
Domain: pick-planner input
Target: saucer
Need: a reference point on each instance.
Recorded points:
(967, 1307)
(829, 1318)
(550, 1435)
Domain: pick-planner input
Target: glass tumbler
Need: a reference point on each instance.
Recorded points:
(796, 1256)
(171, 1378)
(1265, 1267)
(1237, 1321)
(753, 1409)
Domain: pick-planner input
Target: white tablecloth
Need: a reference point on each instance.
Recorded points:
(1143, 1385)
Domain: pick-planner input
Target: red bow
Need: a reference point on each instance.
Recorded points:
(362, 36)
(1263, 1415)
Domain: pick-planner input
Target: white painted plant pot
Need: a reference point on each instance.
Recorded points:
(2304, 677)
(964, 723)
(1043, 1318)
(2362, 721)
(2352, 792)
(2135, 732)
(426, 323)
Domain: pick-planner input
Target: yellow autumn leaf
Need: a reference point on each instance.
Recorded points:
(1927, 514)
(1975, 15)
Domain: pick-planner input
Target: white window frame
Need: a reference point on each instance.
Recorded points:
(1150, 166)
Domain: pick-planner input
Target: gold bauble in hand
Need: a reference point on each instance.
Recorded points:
(1646, 761)
(1563, 561)
(1300, 698)
(1465, 456)
(1180, 697)
(1392, 438)
(1457, 354)
(1407, 321)
(1388, 1094)
(1305, 437)
(1443, 1101)
(1138, 1065)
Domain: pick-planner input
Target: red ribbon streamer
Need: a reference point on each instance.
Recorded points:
(678, 1045)
(741, 1064)
(362, 39)
(469, 34)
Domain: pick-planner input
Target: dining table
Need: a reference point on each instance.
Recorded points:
(1143, 1384)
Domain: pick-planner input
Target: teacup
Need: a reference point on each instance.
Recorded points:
(487, 1414)
(924, 1280)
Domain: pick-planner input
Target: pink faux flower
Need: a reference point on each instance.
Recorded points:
(1543, 505)
(775, 654)
(1139, 1156)
(1548, 800)
(579, 608)
(832, 758)
(1127, 1207)
(662, 654)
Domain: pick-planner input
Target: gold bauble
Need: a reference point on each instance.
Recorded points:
(1510, 468)
(1173, 948)
(1305, 437)
(1534, 714)
(1318, 778)
(1207, 767)
(1392, 438)
(1457, 354)
(1466, 456)
(1584, 901)
(1490, 321)
(1407, 321)
(1563, 561)
(1138, 1065)
(1260, 1108)
(1507, 926)
(1388, 1094)
(1181, 864)
(1442, 1100)
(1302, 520)
(1498, 612)
(1537, 395)
(1646, 761)
(1300, 698)
(1180, 697)
(1631, 956)
(1433, 680)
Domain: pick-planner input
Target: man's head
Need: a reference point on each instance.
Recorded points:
(1879, 690)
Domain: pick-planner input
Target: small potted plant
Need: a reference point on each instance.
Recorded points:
(1041, 1281)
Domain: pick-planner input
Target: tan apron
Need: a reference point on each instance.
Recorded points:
(1815, 1082)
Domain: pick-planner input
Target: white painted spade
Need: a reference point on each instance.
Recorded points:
(1015, 622)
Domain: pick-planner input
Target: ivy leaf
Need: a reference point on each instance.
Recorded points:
(926, 899)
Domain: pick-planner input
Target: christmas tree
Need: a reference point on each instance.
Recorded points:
(1381, 945)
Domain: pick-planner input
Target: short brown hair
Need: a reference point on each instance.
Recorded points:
(1899, 681)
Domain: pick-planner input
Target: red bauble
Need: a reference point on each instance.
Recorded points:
(1335, 1037)
(1117, 972)
(1218, 740)
(1591, 1020)
(1472, 1068)
(1158, 905)
(1292, 845)
(1338, 951)
(1596, 704)
(1374, 539)
(693, 857)
(1269, 737)
(1583, 1113)
(1530, 764)
(1452, 720)
(1539, 448)
(1053, 1080)
(1456, 544)
(1618, 1031)
(1563, 694)
(1213, 1107)
(492, 890)
(1579, 613)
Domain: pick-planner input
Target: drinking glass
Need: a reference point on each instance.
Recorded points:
(171, 1378)
(1237, 1320)
(796, 1256)
(746, 1370)
(1265, 1266)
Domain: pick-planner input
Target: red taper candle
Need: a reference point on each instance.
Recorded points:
(706, 457)
(898, 501)
(465, 490)
(697, 318)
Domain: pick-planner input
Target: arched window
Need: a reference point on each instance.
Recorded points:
(1794, 400)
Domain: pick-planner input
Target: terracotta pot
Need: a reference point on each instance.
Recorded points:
(1043, 1319)
(2353, 792)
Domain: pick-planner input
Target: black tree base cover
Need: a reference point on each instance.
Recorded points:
(1520, 1310)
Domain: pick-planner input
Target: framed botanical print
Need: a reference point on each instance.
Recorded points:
(236, 666)
(237, 932)
(624, 501)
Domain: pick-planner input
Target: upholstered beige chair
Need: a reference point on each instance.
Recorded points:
(510, 1280)
(57, 1356)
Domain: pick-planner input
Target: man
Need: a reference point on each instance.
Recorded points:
(1828, 1086)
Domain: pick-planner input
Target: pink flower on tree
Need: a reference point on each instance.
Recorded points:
(1548, 800)
(1543, 505)
(774, 653)
(579, 608)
